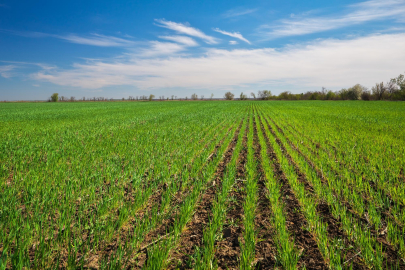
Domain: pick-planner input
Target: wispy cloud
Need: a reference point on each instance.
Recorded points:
(157, 48)
(186, 29)
(234, 34)
(5, 70)
(233, 42)
(332, 63)
(97, 40)
(181, 39)
(356, 14)
(238, 12)
(92, 39)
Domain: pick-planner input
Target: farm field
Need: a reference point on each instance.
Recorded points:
(202, 185)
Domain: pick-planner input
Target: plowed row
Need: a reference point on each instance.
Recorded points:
(253, 194)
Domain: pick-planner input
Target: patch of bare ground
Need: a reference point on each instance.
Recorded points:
(228, 247)
(192, 236)
(391, 256)
(265, 249)
(311, 256)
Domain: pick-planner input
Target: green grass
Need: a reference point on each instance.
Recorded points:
(92, 183)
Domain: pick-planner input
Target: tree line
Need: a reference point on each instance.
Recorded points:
(392, 90)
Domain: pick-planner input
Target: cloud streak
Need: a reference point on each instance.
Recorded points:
(96, 40)
(92, 39)
(181, 39)
(234, 34)
(5, 70)
(157, 48)
(238, 12)
(186, 30)
(357, 14)
(332, 63)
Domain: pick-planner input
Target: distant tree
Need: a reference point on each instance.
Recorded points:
(366, 95)
(286, 95)
(63, 98)
(253, 95)
(354, 93)
(398, 88)
(151, 97)
(55, 97)
(343, 94)
(265, 94)
(379, 90)
(172, 97)
(72, 99)
(202, 97)
(242, 96)
(229, 96)
(330, 95)
(194, 96)
(212, 95)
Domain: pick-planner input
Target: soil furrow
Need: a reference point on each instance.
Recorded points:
(391, 255)
(334, 225)
(372, 184)
(228, 248)
(311, 256)
(265, 249)
(192, 236)
(167, 223)
(127, 231)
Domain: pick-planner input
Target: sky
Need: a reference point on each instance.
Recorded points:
(116, 49)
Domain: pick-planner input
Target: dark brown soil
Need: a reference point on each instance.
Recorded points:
(167, 224)
(353, 170)
(265, 249)
(192, 236)
(228, 249)
(335, 231)
(311, 256)
(323, 209)
(391, 257)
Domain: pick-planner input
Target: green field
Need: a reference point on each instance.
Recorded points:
(202, 185)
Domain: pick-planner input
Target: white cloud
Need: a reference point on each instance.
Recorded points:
(5, 70)
(92, 39)
(330, 63)
(97, 40)
(181, 39)
(357, 14)
(234, 34)
(233, 42)
(238, 12)
(187, 30)
(158, 48)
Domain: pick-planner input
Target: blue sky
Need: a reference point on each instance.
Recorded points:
(117, 49)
